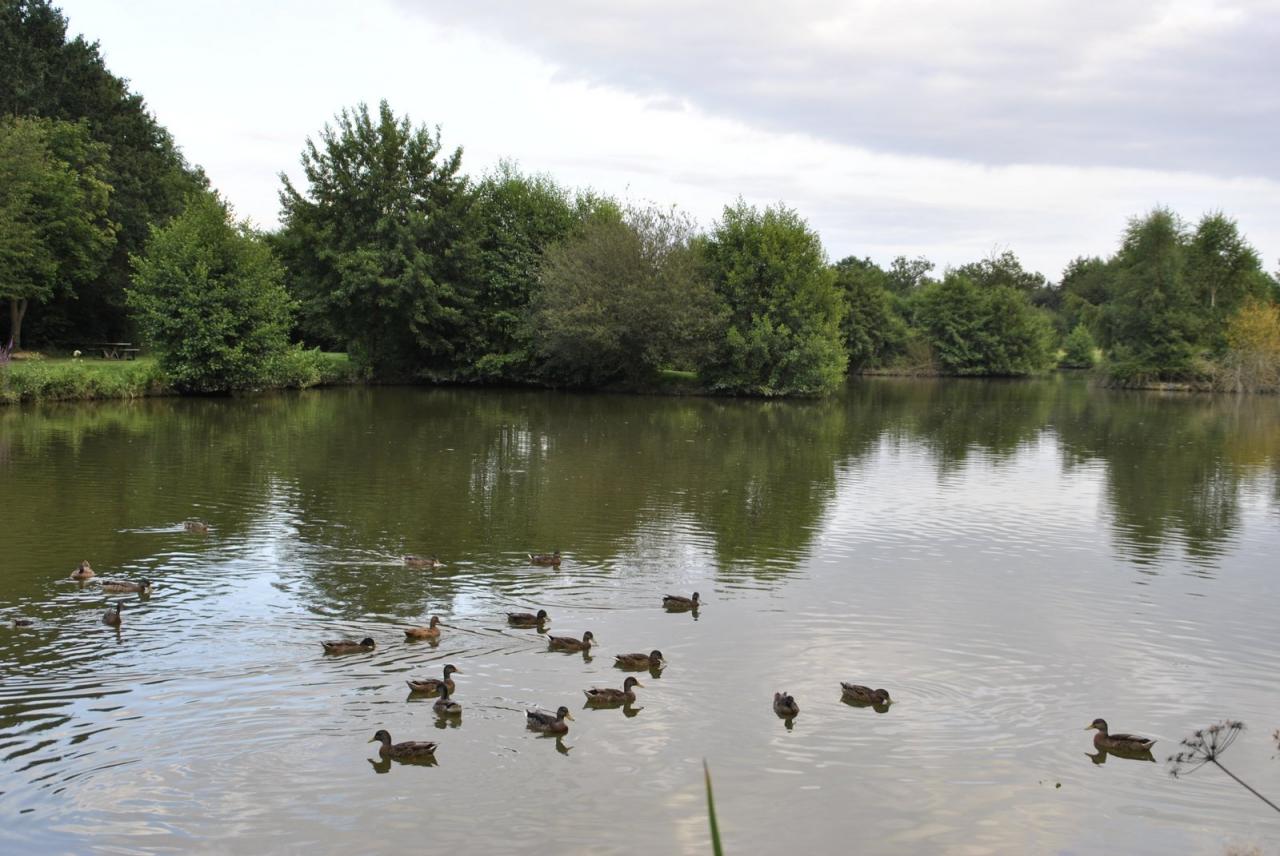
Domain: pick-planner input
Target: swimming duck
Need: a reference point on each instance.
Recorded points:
(446, 706)
(142, 586)
(609, 695)
(83, 571)
(785, 706)
(195, 526)
(23, 622)
(676, 603)
(527, 619)
(431, 632)
(1118, 743)
(111, 617)
(347, 646)
(404, 751)
(652, 660)
(549, 723)
(864, 695)
(423, 562)
(552, 559)
(568, 643)
(431, 686)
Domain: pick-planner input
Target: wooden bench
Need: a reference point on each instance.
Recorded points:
(114, 350)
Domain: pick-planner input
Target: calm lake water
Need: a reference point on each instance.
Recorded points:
(1010, 560)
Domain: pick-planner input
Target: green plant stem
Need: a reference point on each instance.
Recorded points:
(711, 813)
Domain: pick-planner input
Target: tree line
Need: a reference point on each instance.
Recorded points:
(389, 251)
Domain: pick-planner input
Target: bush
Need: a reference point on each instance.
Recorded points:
(1079, 349)
(56, 380)
(1251, 362)
(210, 300)
(973, 331)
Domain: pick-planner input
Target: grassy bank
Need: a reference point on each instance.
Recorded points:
(80, 379)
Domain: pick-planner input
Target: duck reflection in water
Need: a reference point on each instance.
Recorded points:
(1100, 757)
(383, 765)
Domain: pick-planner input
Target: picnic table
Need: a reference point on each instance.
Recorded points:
(114, 350)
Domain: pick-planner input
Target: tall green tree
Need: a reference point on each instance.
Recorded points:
(54, 230)
(982, 331)
(378, 243)
(906, 275)
(210, 299)
(45, 74)
(874, 332)
(1002, 270)
(782, 331)
(1223, 268)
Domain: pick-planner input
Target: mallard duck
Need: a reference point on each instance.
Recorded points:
(568, 643)
(1118, 743)
(195, 526)
(785, 706)
(23, 622)
(83, 571)
(347, 646)
(142, 586)
(527, 619)
(446, 706)
(430, 632)
(545, 558)
(405, 751)
(423, 562)
(864, 695)
(676, 603)
(652, 660)
(112, 616)
(549, 723)
(431, 686)
(609, 695)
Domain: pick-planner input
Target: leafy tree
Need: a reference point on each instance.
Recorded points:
(782, 331)
(874, 333)
(906, 275)
(1079, 349)
(210, 299)
(1223, 268)
(54, 232)
(43, 74)
(621, 300)
(1251, 362)
(377, 245)
(982, 331)
(1003, 270)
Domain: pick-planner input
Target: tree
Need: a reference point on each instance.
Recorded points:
(1251, 362)
(378, 246)
(1079, 349)
(1002, 270)
(873, 331)
(782, 330)
(1222, 268)
(906, 275)
(621, 300)
(977, 331)
(210, 298)
(54, 232)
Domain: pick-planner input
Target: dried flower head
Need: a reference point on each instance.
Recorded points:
(1204, 746)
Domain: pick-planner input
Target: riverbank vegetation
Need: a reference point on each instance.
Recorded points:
(389, 251)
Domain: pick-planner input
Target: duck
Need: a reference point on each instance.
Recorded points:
(568, 643)
(23, 622)
(785, 705)
(528, 619)
(404, 751)
(609, 695)
(430, 632)
(652, 660)
(676, 603)
(195, 526)
(83, 571)
(446, 706)
(347, 646)
(431, 686)
(549, 723)
(552, 559)
(423, 562)
(142, 586)
(111, 617)
(1118, 743)
(864, 695)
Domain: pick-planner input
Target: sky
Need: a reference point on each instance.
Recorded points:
(895, 127)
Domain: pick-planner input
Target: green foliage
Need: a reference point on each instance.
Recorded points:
(977, 331)
(874, 332)
(621, 300)
(1079, 349)
(378, 247)
(906, 275)
(211, 301)
(782, 330)
(54, 232)
(716, 847)
(57, 380)
(1003, 270)
(1223, 270)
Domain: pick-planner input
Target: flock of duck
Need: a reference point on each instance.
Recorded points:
(546, 722)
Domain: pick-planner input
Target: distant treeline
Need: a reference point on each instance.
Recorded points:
(388, 251)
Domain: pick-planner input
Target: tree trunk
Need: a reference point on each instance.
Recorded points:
(17, 309)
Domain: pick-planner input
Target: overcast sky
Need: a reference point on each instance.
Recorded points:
(948, 130)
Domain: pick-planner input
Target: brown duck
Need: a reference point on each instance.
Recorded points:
(430, 632)
(431, 686)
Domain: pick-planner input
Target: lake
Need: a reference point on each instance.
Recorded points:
(1009, 559)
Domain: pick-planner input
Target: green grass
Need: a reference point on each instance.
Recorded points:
(70, 379)
(711, 812)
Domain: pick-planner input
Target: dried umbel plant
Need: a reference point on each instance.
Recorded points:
(1206, 747)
